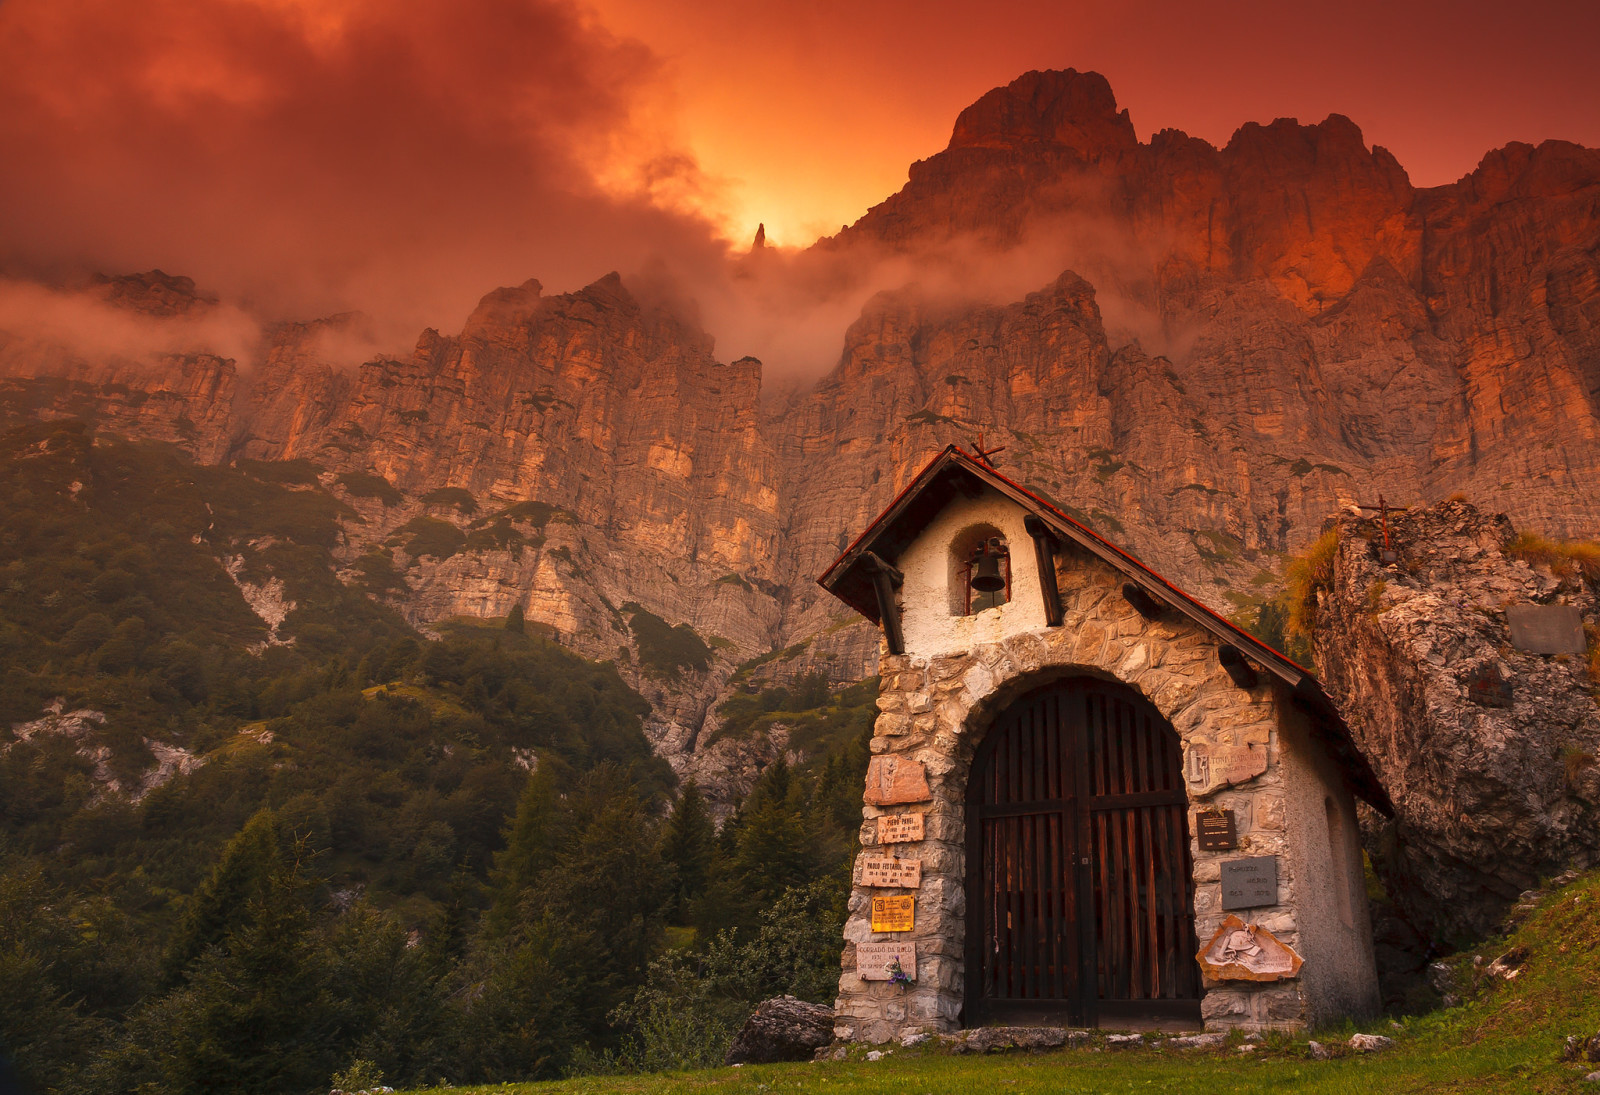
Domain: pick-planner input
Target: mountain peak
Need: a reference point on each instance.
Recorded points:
(1073, 109)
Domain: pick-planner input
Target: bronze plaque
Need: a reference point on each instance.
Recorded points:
(1250, 883)
(899, 828)
(1217, 833)
(894, 914)
(891, 872)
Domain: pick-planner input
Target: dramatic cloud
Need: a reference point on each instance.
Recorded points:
(397, 156)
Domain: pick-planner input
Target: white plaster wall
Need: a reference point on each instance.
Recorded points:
(926, 622)
(1335, 934)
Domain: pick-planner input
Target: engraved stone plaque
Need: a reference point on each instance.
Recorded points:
(892, 780)
(1249, 883)
(899, 828)
(1547, 629)
(891, 872)
(1217, 831)
(1232, 764)
(875, 961)
(894, 914)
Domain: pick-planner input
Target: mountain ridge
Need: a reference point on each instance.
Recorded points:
(1329, 333)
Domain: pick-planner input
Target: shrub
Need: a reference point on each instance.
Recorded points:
(360, 484)
(664, 650)
(1564, 558)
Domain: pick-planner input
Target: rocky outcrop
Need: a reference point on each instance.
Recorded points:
(1487, 748)
(785, 1028)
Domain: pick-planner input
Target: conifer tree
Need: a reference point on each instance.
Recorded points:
(689, 844)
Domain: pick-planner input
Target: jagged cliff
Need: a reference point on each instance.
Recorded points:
(1226, 345)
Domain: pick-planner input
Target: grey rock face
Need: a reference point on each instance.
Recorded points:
(782, 1029)
(1488, 751)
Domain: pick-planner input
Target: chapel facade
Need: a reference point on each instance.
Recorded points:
(1091, 800)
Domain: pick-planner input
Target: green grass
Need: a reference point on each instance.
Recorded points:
(1506, 1038)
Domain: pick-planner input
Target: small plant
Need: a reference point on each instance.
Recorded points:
(1575, 761)
(897, 973)
(1565, 558)
(362, 1075)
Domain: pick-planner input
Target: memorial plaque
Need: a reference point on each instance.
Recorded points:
(899, 828)
(1247, 952)
(891, 872)
(1248, 883)
(876, 961)
(1217, 833)
(894, 914)
(1233, 764)
(892, 780)
(1487, 687)
(1547, 629)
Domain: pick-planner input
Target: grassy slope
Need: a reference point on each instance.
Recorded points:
(1506, 1038)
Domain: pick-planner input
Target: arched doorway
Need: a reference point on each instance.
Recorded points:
(1080, 906)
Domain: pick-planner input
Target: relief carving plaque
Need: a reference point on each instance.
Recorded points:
(899, 828)
(892, 780)
(894, 914)
(1247, 952)
(891, 872)
(876, 961)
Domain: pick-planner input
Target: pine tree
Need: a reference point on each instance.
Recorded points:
(516, 621)
(531, 841)
(689, 845)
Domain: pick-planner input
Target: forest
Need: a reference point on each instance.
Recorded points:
(259, 859)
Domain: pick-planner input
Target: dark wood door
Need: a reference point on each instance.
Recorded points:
(1079, 900)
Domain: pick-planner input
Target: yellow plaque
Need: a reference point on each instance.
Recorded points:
(894, 914)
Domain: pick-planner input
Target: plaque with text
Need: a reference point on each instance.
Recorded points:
(899, 828)
(1217, 832)
(1547, 629)
(1249, 883)
(891, 872)
(894, 914)
(877, 961)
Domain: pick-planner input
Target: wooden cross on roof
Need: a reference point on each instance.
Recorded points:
(982, 454)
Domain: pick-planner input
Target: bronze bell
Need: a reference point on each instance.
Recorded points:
(986, 578)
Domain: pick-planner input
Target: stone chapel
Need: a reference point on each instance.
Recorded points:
(1091, 800)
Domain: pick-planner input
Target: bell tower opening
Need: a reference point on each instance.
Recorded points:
(979, 571)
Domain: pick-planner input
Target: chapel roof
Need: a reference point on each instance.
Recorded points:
(953, 472)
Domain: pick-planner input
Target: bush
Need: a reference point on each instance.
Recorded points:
(663, 649)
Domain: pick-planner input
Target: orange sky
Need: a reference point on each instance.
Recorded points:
(402, 157)
(810, 112)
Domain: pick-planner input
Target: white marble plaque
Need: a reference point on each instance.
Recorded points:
(876, 961)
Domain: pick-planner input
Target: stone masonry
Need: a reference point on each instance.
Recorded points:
(935, 710)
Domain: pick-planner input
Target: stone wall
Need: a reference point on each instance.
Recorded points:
(935, 710)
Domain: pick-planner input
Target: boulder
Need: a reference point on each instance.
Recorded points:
(782, 1029)
(1443, 659)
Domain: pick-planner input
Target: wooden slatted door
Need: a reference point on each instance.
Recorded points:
(1079, 902)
